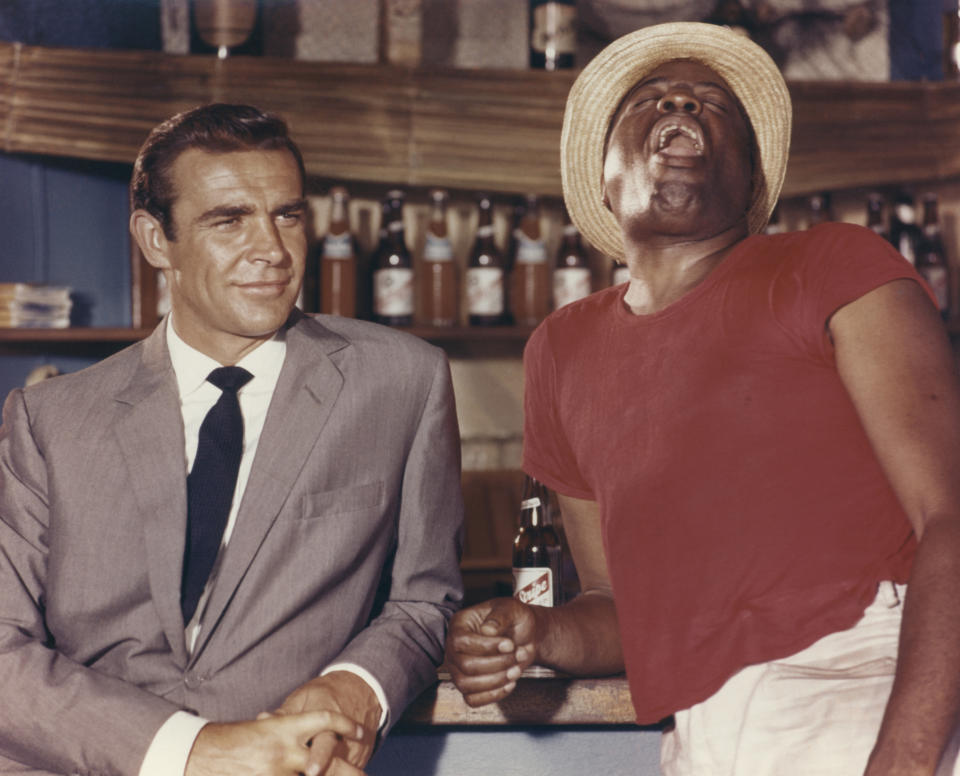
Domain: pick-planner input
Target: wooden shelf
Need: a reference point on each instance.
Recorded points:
(458, 341)
(464, 129)
(120, 335)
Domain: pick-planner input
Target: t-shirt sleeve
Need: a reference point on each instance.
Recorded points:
(547, 454)
(841, 263)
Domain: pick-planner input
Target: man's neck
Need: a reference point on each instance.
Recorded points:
(228, 350)
(664, 269)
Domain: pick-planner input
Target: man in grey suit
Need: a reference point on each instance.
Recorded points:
(322, 610)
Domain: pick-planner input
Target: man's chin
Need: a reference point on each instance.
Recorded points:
(259, 323)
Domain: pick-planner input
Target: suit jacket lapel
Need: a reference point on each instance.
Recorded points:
(150, 435)
(308, 387)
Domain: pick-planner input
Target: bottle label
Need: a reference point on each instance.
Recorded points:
(569, 285)
(554, 29)
(905, 246)
(904, 213)
(393, 291)
(939, 283)
(485, 291)
(621, 274)
(533, 585)
(338, 246)
(437, 248)
(530, 251)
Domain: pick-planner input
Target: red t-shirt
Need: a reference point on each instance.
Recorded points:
(744, 513)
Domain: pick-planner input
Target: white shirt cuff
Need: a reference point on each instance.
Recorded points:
(169, 751)
(364, 674)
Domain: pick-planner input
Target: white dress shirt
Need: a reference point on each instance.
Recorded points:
(170, 748)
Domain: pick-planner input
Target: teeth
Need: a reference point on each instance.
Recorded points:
(672, 129)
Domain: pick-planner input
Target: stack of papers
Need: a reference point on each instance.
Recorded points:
(26, 305)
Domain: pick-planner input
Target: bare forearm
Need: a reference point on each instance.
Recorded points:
(924, 706)
(580, 638)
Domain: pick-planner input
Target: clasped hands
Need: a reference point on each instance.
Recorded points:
(488, 647)
(327, 727)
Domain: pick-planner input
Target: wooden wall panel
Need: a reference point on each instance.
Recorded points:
(464, 129)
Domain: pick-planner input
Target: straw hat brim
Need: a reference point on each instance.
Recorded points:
(604, 82)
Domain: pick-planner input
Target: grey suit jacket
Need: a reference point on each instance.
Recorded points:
(346, 546)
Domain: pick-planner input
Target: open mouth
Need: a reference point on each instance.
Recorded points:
(677, 139)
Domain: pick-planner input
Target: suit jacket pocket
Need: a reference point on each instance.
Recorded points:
(341, 500)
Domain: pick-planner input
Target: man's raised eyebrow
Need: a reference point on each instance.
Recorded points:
(224, 211)
(292, 205)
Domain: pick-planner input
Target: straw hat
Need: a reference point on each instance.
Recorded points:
(605, 81)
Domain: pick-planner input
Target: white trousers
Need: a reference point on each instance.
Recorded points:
(816, 713)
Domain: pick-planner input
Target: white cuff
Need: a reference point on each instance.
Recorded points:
(364, 674)
(169, 751)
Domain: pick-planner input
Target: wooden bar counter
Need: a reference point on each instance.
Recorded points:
(548, 726)
(538, 700)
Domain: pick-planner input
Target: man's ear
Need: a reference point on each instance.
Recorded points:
(148, 233)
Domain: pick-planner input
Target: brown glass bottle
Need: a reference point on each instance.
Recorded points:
(774, 226)
(226, 27)
(537, 551)
(932, 257)
(438, 278)
(530, 275)
(819, 210)
(904, 232)
(393, 268)
(875, 220)
(338, 260)
(571, 275)
(485, 282)
(553, 34)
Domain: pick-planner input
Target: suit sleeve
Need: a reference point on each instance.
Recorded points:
(56, 714)
(403, 644)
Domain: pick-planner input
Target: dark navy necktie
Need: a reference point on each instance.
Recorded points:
(211, 483)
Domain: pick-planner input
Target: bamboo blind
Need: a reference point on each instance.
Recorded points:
(464, 129)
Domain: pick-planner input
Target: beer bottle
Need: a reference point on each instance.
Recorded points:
(932, 258)
(819, 210)
(537, 561)
(529, 278)
(773, 225)
(553, 34)
(571, 275)
(227, 28)
(438, 282)
(485, 286)
(619, 273)
(875, 220)
(338, 260)
(393, 268)
(904, 232)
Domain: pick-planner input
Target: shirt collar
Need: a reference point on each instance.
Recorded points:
(191, 367)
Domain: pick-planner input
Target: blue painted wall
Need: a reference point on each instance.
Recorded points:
(64, 222)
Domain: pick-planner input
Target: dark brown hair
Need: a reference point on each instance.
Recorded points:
(218, 128)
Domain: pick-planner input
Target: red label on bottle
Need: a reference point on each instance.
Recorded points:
(533, 586)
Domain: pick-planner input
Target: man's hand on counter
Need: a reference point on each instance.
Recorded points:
(488, 647)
